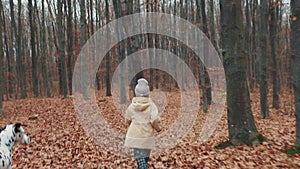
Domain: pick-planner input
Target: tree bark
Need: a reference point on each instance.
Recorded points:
(43, 51)
(70, 45)
(273, 37)
(33, 49)
(82, 42)
(263, 59)
(295, 41)
(1, 61)
(6, 75)
(121, 52)
(19, 58)
(62, 63)
(12, 74)
(254, 13)
(241, 126)
(107, 78)
(248, 44)
(37, 27)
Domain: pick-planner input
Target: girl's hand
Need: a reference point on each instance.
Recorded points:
(127, 122)
(157, 125)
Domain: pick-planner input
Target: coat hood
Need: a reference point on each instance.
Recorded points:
(141, 104)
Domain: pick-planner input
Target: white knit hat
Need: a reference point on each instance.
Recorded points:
(142, 88)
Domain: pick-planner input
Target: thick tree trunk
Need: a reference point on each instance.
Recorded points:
(1, 61)
(295, 41)
(44, 55)
(273, 37)
(13, 31)
(37, 44)
(241, 126)
(82, 42)
(19, 59)
(33, 49)
(263, 59)
(62, 63)
(206, 83)
(121, 52)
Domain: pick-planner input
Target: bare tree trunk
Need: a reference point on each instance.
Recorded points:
(43, 51)
(82, 42)
(204, 78)
(248, 44)
(1, 61)
(37, 43)
(241, 126)
(295, 41)
(6, 77)
(213, 28)
(108, 64)
(70, 45)
(273, 37)
(50, 41)
(33, 49)
(253, 78)
(19, 59)
(13, 30)
(23, 67)
(263, 59)
(91, 17)
(121, 52)
(75, 25)
(62, 62)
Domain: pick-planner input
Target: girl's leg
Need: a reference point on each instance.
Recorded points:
(142, 157)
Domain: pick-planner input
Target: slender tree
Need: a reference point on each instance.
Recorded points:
(13, 30)
(273, 36)
(43, 52)
(213, 28)
(121, 50)
(108, 65)
(6, 76)
(33, 49)
(62, 62)
(37, 27)
(70, 45)
(82, 42)
(248, 43)
(241, 126)
(263, 84)
(20, 58)
(254, 40)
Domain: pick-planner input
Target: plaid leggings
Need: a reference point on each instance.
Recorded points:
(142, 157)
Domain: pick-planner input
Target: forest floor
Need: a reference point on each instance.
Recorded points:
(58, 140)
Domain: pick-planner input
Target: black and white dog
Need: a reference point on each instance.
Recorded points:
(10, 134)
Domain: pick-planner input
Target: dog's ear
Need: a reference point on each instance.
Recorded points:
(17, 127)
(3, 128)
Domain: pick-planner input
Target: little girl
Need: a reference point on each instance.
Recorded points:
(142, 114)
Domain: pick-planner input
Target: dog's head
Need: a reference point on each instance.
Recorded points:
(21, 136)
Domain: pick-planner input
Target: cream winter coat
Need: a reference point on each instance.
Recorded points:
(144, 118)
